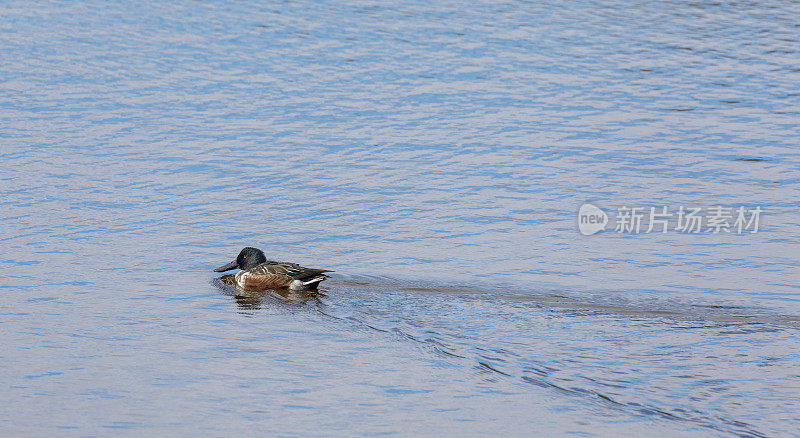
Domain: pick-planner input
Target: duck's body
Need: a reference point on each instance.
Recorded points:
(258, 273)
(279, 275)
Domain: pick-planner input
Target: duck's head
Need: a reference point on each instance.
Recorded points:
(247, 258)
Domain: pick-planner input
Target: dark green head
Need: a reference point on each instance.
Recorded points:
(248, 258)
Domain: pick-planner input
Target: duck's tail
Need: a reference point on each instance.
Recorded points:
(308, 283)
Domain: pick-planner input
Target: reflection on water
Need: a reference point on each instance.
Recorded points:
(433, 154)
(251, 300)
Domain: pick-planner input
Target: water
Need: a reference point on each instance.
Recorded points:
(435, 155)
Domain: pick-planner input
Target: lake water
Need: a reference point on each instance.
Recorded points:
(433, 154)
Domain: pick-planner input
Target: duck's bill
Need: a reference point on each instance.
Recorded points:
(228, 267)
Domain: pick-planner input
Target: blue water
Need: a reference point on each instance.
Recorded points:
(434, 155)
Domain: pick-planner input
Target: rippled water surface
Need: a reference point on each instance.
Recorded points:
(435, 155)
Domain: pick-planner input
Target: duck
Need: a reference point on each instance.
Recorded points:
(258, 273)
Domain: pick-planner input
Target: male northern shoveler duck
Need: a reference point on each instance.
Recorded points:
(259, 273)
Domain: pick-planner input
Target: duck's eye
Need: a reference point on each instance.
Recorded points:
(245, 256)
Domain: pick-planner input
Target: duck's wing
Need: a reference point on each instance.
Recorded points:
(292, 270)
